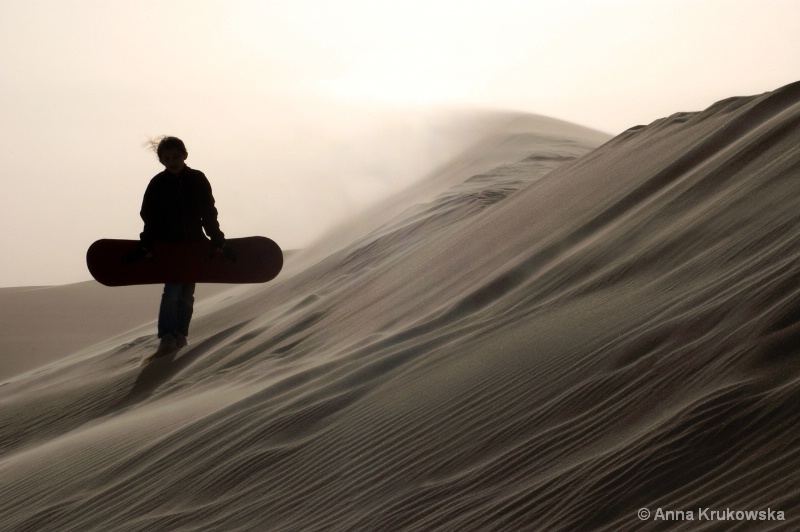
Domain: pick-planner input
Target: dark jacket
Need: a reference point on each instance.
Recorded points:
(177, 208)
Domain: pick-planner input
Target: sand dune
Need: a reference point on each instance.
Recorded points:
(40, 324)
(556, 342)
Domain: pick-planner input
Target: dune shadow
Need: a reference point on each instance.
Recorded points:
(161, 370)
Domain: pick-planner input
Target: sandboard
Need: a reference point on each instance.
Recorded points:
(257, 260)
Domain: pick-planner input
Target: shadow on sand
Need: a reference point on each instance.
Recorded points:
(161, 370)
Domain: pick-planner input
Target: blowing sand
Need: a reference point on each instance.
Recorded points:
(556, 340)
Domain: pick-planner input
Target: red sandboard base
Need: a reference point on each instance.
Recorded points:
(258, 260)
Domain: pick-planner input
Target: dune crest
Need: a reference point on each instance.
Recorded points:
(557, 342)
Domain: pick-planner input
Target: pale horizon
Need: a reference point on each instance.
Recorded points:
(302, 113)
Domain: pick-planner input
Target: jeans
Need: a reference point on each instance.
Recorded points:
(177, 303)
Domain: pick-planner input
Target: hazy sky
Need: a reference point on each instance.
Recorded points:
(299, 110)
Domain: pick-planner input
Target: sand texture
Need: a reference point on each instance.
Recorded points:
(558, 336)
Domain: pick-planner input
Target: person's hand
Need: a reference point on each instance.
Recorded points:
(137, 255)
(229, 252)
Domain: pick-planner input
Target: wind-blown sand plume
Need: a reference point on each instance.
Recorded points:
(551, 344)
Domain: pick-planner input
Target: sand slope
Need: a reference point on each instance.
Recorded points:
(554, 343)
(39, 324)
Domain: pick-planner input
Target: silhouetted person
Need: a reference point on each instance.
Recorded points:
(178, 206)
